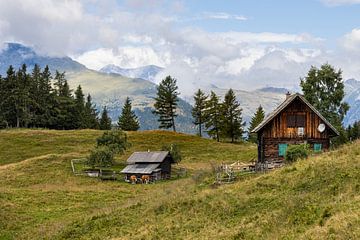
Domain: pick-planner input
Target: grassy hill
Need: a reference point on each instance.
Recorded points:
(317, 198)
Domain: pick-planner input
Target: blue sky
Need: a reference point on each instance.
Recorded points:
(238, 44)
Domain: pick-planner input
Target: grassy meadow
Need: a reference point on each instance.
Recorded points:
(40, 198)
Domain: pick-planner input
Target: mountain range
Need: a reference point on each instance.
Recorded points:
(146, 72)
(112, 84)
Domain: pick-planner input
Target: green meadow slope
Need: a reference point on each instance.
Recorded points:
(317, 198)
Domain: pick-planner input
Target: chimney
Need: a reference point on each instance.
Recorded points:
(288, 94)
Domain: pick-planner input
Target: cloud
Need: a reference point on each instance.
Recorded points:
(222, 16)
(351, 41)
(340, 2)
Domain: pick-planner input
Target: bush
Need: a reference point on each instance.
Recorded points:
(296, 152)
(174, 151)
(101, 157)
(115, 140)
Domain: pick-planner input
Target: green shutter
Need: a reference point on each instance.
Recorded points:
(317, 147)
(282, 149)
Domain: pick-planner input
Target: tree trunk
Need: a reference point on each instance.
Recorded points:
(173, 122)
(200, 130)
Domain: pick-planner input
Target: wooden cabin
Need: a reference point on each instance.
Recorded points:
(155, 164)
(295, 121)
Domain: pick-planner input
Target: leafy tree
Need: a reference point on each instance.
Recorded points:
(128, 121)
(232, 124)
(101, 157)
(213, 116)
(166, 102)
(324, 89)
(105, 120)
(255, 121)
(174, 151)
(115, 140)
(199, 108)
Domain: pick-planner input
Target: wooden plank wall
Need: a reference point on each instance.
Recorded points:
(277, 128)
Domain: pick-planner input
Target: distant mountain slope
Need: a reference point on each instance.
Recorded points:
(352, 89)
(146, 72)
(16, 54)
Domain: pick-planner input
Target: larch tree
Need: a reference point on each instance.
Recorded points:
(199, 108)
(232, 125)
(166, 103)
(324, 89)
(255, 121)
(128, 121)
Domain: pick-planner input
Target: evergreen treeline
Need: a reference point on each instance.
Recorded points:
(37, 100)
(221, 119)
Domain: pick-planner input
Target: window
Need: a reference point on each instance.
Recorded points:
(295, 121)
(317, 147)
(282, 149)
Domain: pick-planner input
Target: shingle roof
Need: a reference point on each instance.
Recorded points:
(284, 105)
(148, 157)
(142, 168)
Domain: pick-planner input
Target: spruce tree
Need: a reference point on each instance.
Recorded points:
(90, 114)
(79, 108)
(198, 110)
(128, 121)
(166, 102)
(105, 120)
(232, 124)
(213, 116)
(255, 121)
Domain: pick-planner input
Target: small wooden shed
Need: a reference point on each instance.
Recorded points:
(155, 164)
(295, 121)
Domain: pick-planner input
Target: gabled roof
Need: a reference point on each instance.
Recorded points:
(148, 157)
(282, 106)
(142, 168)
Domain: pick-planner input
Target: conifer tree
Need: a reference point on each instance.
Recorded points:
(166, 102)
(213, 116)
(198, 109)
(324, 89)
(128, 121)
(79, 108)
(90, 114)
(105, 120)
(232, 124)
(255, 121)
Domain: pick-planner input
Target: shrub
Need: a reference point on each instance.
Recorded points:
(174, 151)
(296, 152)
(115, 140)
(101, 157)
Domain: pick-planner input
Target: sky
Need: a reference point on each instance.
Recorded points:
(241, 44)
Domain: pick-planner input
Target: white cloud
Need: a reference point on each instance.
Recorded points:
(222, 16)
(351, 41)
(340, 2)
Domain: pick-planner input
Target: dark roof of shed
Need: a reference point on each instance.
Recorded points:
(142, 168)
(282, 106)
(148, 157)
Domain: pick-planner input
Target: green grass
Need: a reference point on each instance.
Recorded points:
(317, 198)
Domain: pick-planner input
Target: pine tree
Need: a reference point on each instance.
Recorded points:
(105, 120)
(166, 102)
(128, 121)
(46, 117)
(232, 125)
(8, 102)
(90, 115)
(213, 116)
(198, 110)
(255, 121)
